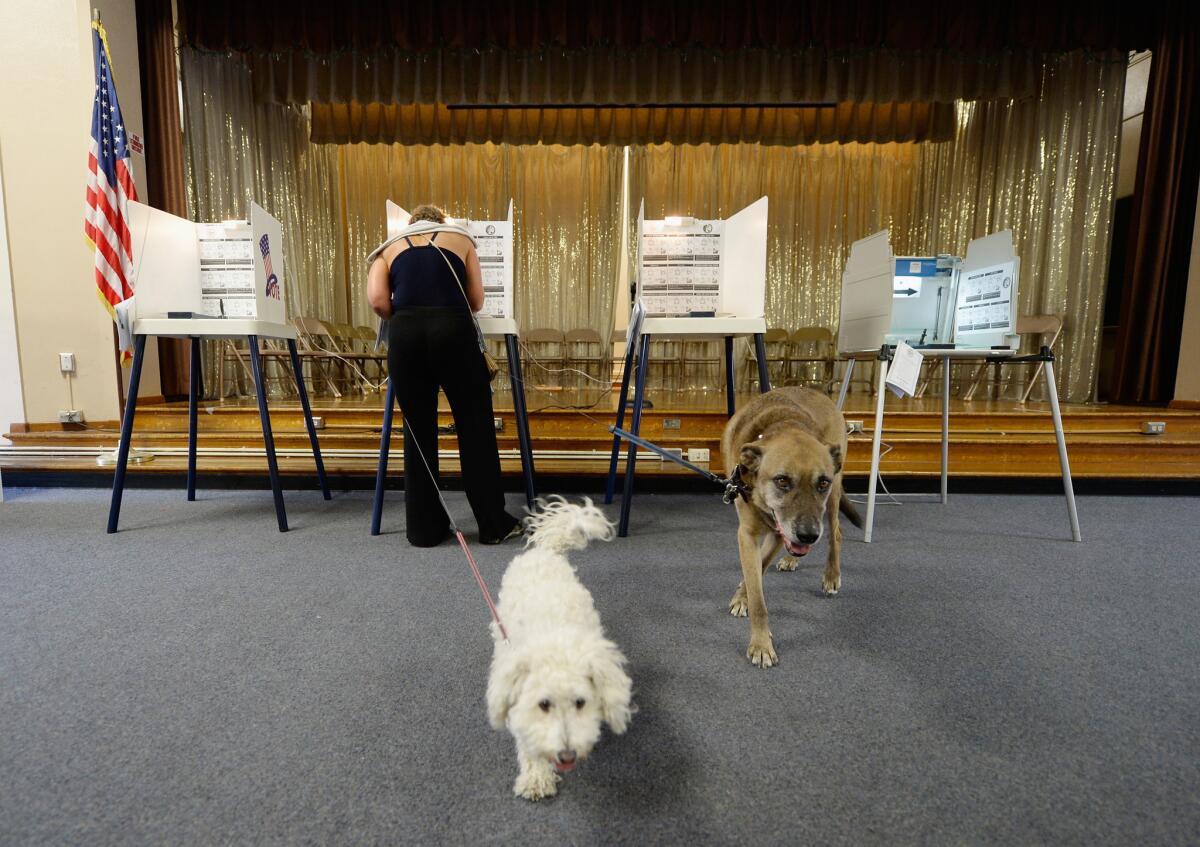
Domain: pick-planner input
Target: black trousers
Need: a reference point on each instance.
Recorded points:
(430, 349)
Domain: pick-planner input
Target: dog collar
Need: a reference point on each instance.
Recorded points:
(735, 488)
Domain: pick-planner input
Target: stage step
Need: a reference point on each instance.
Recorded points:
(988, 439)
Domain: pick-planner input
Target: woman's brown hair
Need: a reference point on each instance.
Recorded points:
(427, 212)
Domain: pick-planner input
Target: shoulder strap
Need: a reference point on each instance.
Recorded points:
(409, 240)
(433, 237)
(474, 320)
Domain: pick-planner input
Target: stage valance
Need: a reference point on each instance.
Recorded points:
(619, 77)
(369, 26)
(344, 123)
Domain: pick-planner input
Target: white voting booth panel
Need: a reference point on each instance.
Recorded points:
(687, 265)
(234, 268)
(493, 245)
(985, 312)
(866, 313)
(983, 291)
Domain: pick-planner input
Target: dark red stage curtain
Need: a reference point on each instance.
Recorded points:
(164, 153)
(285, 26)
(1162, 220)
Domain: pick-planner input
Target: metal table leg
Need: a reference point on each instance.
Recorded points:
(135, 377)
(611, 487)
(385, 445)
(193, 396)
(521, 413)
(764, 376)
(1063, 463)
(631, 461)
(841, 401)
(875, 439)
(268, 439)
(729, 398)
(308, 419)
(945, 431)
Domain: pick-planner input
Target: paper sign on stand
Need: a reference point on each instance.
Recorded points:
(905, 371)
(493, 245)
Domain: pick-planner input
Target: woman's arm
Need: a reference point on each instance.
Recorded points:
(474, 282)
(379, 288)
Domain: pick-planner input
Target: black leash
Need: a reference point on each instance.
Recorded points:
(733, 485)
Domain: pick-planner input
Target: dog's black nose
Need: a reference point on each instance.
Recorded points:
(566, 757)
(807, 538)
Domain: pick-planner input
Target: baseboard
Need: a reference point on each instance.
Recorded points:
(19, 427)
(1189, 405)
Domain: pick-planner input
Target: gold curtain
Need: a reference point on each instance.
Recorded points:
(1044, 167)
(566, 211)
(236, 150)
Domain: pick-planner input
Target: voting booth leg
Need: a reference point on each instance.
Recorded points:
(268, 439)
(1068, 489)
(521, 413)
(308, 418)
(611, 488)
(841, 401)
(945, 432)
(135, 377)
(631, 462)
(764, 378)
(869, 525)
(193, 395)
(729, 400)
(385, 444)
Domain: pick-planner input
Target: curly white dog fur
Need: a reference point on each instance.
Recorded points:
(558, 679)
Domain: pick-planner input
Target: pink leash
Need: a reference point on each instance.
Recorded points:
(462, 542)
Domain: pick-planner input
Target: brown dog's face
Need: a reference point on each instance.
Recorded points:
(793, 477)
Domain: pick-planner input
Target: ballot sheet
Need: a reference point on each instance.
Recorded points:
(681, 267)
(227, 268)
(985, 301)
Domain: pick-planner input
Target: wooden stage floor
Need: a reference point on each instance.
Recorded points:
(988, 438)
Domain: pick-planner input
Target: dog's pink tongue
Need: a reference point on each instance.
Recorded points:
(792, 547)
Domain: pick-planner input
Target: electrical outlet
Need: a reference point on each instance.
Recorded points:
(1154, 427)
(318, 422)
(73, 416)
(498, 423)
(670, 423)
(854, 426)
(66, 362)
(699, 455)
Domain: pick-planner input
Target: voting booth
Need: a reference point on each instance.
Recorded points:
(980, 326)
(215, 281)
(696, 278)
(494, 246)
(230, 269)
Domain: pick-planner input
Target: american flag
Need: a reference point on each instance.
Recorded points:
(110, 185)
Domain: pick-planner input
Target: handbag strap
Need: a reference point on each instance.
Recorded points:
(474, 320)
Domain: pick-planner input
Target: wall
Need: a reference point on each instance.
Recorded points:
(12, 404)
(1137, 77)
(1187, 382)
(43, 159)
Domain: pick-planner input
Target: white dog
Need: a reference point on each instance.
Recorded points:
(558, 679)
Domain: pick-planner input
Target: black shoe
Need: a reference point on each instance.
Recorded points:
(517, 531)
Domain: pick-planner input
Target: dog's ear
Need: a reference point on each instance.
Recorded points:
(509, 671)
(836, 452)
(750, 457)
(613, 687)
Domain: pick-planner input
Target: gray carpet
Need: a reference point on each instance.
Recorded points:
(200, 678)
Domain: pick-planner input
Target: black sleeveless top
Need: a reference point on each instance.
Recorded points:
(419, 277)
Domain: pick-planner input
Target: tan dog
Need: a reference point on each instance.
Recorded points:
(787, 448)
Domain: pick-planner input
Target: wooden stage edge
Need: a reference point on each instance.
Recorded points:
(989, 439)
